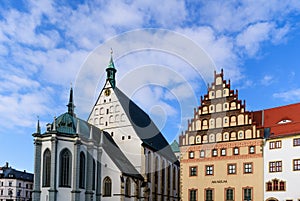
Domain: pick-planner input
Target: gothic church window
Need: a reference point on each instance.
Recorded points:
(65, 168)
(127, 187)
(82, 170)
(107, 187)
(46, 168)
(94, 175)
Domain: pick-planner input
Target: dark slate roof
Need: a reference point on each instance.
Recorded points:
(10, 173)
(118, 157)
(145, 127)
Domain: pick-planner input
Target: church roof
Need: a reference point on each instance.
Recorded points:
(71, 125)
(118, 157)
(145, 127)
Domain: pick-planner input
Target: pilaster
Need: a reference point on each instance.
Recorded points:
(89, 180)
(53, 190)
(99, 178)
(76, 162)
(36, 193)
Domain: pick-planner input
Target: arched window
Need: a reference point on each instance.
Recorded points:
(94, 175)
(127, 187)
(156, 179)
(65, 168)
(107, 187)
(149, 167)
(82, 170)
(163, 175)
(174, 178)
(46, 168)
(169, 181)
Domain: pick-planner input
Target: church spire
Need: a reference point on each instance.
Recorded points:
(38, 128)
(71, 105)
(111, 71)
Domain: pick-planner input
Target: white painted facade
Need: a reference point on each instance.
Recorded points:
(286, 154)
(109, 115)
(13, 187)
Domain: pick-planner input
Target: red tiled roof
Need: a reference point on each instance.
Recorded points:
(288, 113)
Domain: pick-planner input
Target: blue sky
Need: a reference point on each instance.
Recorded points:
(46, 45)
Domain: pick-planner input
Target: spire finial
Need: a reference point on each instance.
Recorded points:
(111, 71)
(71, 105)
(38, 128)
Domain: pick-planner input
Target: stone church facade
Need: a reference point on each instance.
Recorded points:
(117, 154)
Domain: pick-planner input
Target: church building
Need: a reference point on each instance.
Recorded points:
(118, 153)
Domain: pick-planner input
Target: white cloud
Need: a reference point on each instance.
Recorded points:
(291, 95)
(251, 38)
(267, 80)
(233, 16)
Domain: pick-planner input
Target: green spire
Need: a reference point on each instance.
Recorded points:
(71, 105)
(111, 71)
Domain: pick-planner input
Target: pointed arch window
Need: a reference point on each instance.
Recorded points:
(128, 187)
(82, 170)
(46, 168)
(94, 175)
(65, 168)
(107, 187)
(149, 167)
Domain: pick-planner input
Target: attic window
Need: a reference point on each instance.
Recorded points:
(284, 121)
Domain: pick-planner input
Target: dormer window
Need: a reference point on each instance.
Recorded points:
(284, 121)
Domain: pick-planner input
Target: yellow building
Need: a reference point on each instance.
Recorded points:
(221, 150)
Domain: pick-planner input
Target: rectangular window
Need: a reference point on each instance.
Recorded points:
(296, 164)
(1, 191)
(202, 154)
(275, 166)
(193, 195)
(229, 194)
(247, 168)
(251, 149)
(191, 154)
(193, 171)
(296, 142)
(214, 152)
(235, 150)
(223, 152)
(209, 170)
(275, 144)
(208, 195)
(10, 183)
(247, 194)
(231, 168)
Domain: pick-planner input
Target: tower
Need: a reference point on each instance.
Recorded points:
(111, 72)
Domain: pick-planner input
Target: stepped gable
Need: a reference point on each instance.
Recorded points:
(221, 116)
